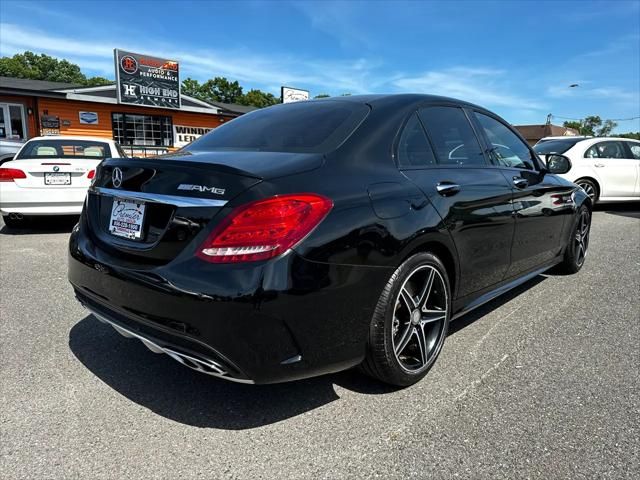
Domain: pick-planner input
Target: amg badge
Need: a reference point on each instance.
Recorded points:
(201, 188)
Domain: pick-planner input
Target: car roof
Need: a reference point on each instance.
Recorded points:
(606, 139)
(398, 99)
(72, 137)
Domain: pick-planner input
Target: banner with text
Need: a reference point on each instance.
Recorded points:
(183, 135)
(147, 81)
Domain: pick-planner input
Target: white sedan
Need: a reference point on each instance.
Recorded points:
(50, 176)
(607, 168)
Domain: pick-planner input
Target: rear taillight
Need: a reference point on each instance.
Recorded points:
(10, 174)
(264, 229)
(91, 174)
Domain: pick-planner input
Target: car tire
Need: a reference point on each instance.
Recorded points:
(591, 187)
(403, 345)
(13, 222)
(576, 251)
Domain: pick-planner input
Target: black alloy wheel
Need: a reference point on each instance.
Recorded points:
(578, 245)
(581, 238)
(410, 323)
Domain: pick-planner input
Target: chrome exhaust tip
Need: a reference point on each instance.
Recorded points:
(200, 364)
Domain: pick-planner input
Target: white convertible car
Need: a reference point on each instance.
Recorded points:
(607, 168)
(50, 176)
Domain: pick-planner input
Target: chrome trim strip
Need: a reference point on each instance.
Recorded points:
(202, 365)
(177, 200)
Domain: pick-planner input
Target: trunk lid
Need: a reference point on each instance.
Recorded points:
(52, 173)
(181, 193)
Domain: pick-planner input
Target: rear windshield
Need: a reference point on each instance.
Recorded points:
(306, 127)
(556, 146)
(65, 148)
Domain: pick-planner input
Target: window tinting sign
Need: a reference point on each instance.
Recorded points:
(148, 81)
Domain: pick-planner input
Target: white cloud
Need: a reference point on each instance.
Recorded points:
(580, 92)
(256, 69)
(484, 86)
(338, 20)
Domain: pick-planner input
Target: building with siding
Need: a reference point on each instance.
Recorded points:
(533, 133)
(30, 108)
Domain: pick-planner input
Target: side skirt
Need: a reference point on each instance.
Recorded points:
(487, 297)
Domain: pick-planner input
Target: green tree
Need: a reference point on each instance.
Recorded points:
(192, 88)
(43, 67)
(97, 81)
(592, 126)
(634, 135)
(258, 98)
(322, 95)
(576, 125)
(220, 89)
(606, 128)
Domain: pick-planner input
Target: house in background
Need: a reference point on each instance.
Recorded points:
(533, 133)
(30, 108)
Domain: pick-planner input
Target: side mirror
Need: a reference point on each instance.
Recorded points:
(558, 164)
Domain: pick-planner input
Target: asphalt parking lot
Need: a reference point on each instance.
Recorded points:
(542, 383)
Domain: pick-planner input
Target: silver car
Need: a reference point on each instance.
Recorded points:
(8, 149)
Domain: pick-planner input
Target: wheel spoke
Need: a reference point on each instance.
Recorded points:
(406, 336)
(433, 316)
(422, 345)
(409, 302)
(426, 290)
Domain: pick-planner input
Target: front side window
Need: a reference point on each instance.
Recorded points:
(507, 150)
(452, 137)
(607, 150)
(635, 149)
(142, 130)
(414, 150)
(64, 148)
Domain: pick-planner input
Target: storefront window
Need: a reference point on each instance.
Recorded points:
(142, 130)
(12, 122)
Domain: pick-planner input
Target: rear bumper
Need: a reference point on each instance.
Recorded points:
(40, 201)
(257, 323)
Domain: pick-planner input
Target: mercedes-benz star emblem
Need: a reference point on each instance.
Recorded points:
(116, 177)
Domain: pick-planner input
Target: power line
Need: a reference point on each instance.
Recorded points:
(612, 119)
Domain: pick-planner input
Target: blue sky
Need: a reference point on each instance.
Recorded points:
(517, 58)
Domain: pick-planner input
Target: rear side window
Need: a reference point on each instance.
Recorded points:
(120, 150)
(507, 150)
(452, 137)
(414, 150)
(635, 149)
(555, 146)
(306, 127)
(65, 148)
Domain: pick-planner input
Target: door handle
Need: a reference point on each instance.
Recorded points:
(520, 182)
(599, 165)
(447, 189)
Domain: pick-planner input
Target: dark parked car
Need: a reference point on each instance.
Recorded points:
(311, 237)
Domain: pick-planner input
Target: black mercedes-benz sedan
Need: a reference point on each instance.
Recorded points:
(312, 237)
